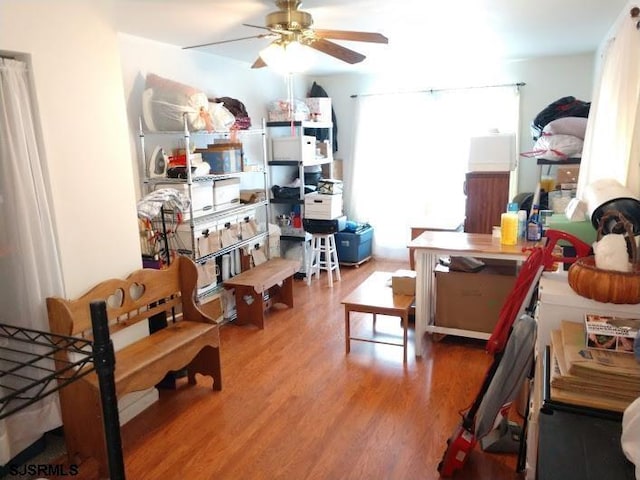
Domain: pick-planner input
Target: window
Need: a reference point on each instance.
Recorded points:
(410, 156)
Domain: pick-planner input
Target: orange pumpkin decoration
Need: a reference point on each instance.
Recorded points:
(607, 286)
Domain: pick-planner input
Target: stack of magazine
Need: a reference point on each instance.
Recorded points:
(601, 378)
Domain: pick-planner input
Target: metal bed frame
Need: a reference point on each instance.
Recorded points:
(29, 377)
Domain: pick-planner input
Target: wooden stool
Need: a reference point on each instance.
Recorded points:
(324, 256)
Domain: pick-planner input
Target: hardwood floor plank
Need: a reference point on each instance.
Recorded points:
(295, 406)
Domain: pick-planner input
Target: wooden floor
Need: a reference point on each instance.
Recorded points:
(294, 406)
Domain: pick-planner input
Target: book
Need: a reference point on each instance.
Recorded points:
(591, 361)
(603, 379)
(610, 333)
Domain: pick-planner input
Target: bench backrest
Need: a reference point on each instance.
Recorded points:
(143, 294)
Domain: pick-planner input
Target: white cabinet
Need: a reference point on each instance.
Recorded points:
(558, 302)
(216, 229)
(298, 158)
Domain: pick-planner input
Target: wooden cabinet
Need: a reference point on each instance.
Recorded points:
(487, 197)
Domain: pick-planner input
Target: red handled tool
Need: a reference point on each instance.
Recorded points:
(464, 439)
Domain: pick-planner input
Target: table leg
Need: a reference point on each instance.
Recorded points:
(405, 327)
(425, 295)
(347, 329)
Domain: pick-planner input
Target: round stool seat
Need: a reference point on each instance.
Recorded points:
(324, 256)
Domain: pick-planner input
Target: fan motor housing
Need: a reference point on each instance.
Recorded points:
(289, 20)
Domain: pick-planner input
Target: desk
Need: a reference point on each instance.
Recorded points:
(375, 296)
(418, 227)
(429, 246)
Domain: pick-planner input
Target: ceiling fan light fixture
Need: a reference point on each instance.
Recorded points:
(287, 57)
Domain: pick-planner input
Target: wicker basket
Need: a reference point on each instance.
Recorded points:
(608, 286)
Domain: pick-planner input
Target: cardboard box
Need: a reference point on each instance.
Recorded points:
(605, 332)
(226, 193)
(322, 207)
(205, 236)
(201, 196)
(294, 149)
(329, 186)
(493, 152)
(567, 174)
(403, 282)
(472, 301)
(319, 108)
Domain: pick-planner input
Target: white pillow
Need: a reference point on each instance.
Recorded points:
(576, 126)
(556, 147)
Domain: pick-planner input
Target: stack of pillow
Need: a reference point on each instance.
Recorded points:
(561, 139)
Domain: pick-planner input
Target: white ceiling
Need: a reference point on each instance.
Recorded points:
(420, 31)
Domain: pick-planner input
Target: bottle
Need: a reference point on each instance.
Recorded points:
(534, 227)
(508, 228)
(522, 224)
(509, 225)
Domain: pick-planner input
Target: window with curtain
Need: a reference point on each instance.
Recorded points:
(29, 263)
(410, 156)
(613, 132)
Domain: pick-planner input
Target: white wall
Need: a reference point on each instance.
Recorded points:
(76, 72)
(547, 79)
(214, 75)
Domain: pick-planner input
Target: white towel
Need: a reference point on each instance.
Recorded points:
(611, 253)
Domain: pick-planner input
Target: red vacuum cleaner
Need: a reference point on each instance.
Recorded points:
(495, 398)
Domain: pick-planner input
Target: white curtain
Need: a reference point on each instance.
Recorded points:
(410, 156)
(29, 264)
(612, 143)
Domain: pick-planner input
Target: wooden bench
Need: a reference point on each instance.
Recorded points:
(274, 277)
(191, 340)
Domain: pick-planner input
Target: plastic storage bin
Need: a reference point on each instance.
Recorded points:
(354, 247)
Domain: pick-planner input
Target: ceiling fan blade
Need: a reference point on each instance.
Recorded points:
(337, 51)
(262, 35)
(371, 37)
(256, 26)
(274, 31)
(259, 63)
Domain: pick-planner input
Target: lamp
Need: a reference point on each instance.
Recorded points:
(286, 56)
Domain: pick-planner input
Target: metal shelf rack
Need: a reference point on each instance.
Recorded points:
(32, 376)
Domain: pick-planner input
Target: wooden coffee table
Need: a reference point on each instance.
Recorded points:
(375, 296)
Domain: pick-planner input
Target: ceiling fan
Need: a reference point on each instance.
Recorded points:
(290, 26)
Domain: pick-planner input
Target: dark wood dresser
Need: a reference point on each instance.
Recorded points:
(487, 197)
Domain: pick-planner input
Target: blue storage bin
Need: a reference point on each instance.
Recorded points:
(223, 157)
(354, 247)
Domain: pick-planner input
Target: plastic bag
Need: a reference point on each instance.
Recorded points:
(165, 102)
(556, 147)
(221, 117)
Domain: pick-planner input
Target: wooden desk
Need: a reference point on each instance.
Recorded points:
(432, 225)
(250, 286)
(375, 296)
(429, 246)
